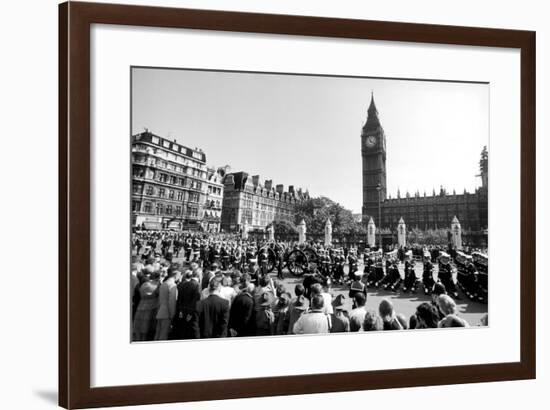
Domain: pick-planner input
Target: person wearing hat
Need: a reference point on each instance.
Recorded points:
(470, 283)
(411, 281)
(392, 280)
(314, 321)
(353, 267)
(144, 318)
(297, 307)
(339, 319)
(357, 286)
(338, 266)
(265, 317)
(376, 273)
(445, 275)
(282, 314)
(427, 275)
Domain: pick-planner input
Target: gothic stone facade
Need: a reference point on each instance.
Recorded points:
(418, 211)
(247, 201)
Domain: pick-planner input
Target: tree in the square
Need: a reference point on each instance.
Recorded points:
(316, 211)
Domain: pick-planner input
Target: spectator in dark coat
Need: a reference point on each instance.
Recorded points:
(213, 313)
(242, 321)
(265, 318)
(186, 324)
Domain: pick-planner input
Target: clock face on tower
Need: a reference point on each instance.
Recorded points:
(371, 141)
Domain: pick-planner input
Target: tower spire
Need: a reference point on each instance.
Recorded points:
(372, 123)
(372, 105)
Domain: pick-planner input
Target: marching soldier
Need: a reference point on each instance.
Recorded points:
(352, 264)
(263, 259)
(411, 281)
(280, 253)
(393, 278)
(339, 266)
(224, 256)
(377, 275)
(357, 286)
(470, 283)
(445, 275)
(427, 275)
(367, 266)
(236, 257)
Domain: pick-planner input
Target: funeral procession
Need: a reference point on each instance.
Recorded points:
(221, 253)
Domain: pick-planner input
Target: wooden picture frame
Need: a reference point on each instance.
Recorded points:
(75, 20)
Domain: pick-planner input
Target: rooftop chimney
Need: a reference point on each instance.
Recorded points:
(255, 180)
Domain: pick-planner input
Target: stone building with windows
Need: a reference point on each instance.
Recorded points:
(214, 198)
(419, 211)
(246, 201)
(169, 183)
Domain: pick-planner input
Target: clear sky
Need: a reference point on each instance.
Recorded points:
(305, 130)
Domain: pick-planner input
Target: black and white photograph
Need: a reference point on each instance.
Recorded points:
(283, 204)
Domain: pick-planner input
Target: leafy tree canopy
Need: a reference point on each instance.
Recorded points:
(284, 227)
(316, 211)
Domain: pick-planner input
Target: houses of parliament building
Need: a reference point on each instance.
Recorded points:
(418, 211)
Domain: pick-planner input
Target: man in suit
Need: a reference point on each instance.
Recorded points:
(186, 324)
(241, 318)
(213, 312)
(168, 294)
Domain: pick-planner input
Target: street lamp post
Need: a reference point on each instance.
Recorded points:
(379, 189)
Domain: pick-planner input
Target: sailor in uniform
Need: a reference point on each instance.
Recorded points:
(428, 274)
(445, 274)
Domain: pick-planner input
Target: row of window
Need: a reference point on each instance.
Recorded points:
(213, 204)
(166, 193)
(433, 209)
(141, 158)
(213, 190)
(164, 209)
(171, 146)
(139, 172)
(273, 196)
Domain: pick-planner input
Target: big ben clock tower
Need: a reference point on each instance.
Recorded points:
(373, 152)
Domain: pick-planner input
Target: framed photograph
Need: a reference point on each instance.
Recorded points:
(259, 205)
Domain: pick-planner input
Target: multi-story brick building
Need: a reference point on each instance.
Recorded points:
(247, 201)
(169, 183)
(421, 211)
